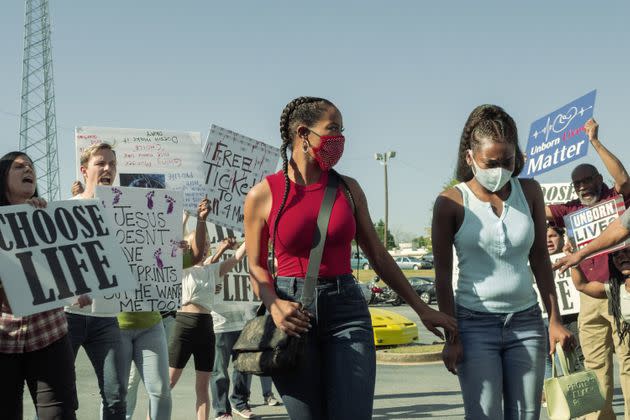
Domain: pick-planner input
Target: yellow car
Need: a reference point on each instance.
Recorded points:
(391, 329)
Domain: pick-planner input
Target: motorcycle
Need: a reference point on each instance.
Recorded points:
(383, 294)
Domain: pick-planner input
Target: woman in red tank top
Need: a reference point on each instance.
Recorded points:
(282, 211)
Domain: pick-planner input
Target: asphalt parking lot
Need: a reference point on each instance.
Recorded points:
(402, 391)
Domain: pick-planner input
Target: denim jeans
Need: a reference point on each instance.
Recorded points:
(265, 384)
(146, 348)
(220, 381)
(134, 376)
(100, 337)
(336, 377)
(503, 363)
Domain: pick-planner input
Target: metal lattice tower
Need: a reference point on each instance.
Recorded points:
(38, 126)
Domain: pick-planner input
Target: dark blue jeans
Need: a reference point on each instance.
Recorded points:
(100, 337)
(502, 369)
(336, 377)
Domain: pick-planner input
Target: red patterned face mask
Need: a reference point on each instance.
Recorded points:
(329, 151)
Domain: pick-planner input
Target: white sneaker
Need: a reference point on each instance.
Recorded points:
(224, 417)
(270, 399)
(246, 412)
(624, 303)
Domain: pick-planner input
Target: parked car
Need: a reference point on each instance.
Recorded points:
(424, 287)
(392, 329)
(359, 263)
(428, 257)
(411, 263)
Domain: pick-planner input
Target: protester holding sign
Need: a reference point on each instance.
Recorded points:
(143, 334)
(98, 333)
(617, 290)
(230, 312)
(555, 245)
(340, 357)
(193, 334)
(597, 327)
(497, 224)
(34, 348)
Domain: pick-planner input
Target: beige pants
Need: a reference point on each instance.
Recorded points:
(599, 339)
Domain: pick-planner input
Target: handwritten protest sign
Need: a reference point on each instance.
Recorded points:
(568, 296)
(559, 138)
(151, 158)
(237, 289)
(558, 193)
(50, 256)
(588, 223)
(147, 225)
(233, 164)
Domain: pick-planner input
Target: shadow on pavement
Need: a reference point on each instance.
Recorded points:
(418, 411)
(417, 395)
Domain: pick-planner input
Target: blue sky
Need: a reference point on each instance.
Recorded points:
(405, 75)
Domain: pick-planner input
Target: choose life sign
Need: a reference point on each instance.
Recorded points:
(588, 223)
(559, 137)
(53, 255)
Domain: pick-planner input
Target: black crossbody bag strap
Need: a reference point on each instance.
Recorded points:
(319, 239)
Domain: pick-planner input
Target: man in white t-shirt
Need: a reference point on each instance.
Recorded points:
(98, 333)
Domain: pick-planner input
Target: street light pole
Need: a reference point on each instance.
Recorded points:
(383, 158)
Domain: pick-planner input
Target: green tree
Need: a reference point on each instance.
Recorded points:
(421, 242)
(380, 227)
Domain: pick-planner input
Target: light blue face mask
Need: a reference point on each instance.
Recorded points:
(492, 179)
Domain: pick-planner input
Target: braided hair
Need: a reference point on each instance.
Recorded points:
(306, 110)
(487, 122)
(617, 280)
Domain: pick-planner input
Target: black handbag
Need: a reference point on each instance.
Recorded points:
(262, 348)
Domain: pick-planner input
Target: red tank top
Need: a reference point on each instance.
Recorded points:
(298, 223)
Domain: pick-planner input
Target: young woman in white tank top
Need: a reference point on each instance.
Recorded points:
(496, 223)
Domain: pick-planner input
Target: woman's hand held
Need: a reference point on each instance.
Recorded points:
(433, 319)
(559, 334)
(289, 317)
(451, 355)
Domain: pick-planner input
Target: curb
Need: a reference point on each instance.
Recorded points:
(383, 356)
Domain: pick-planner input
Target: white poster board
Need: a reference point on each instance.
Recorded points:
(568, 296)
(232, 165)
(586, 224)
(237, 289)
(151, 158)
(148, 227)
(51, 256)
(558, 193)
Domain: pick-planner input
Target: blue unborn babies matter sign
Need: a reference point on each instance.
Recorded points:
(559, 137)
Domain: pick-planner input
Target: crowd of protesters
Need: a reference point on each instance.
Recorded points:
(495, 339)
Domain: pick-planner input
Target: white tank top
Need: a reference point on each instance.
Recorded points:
(493, 253)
